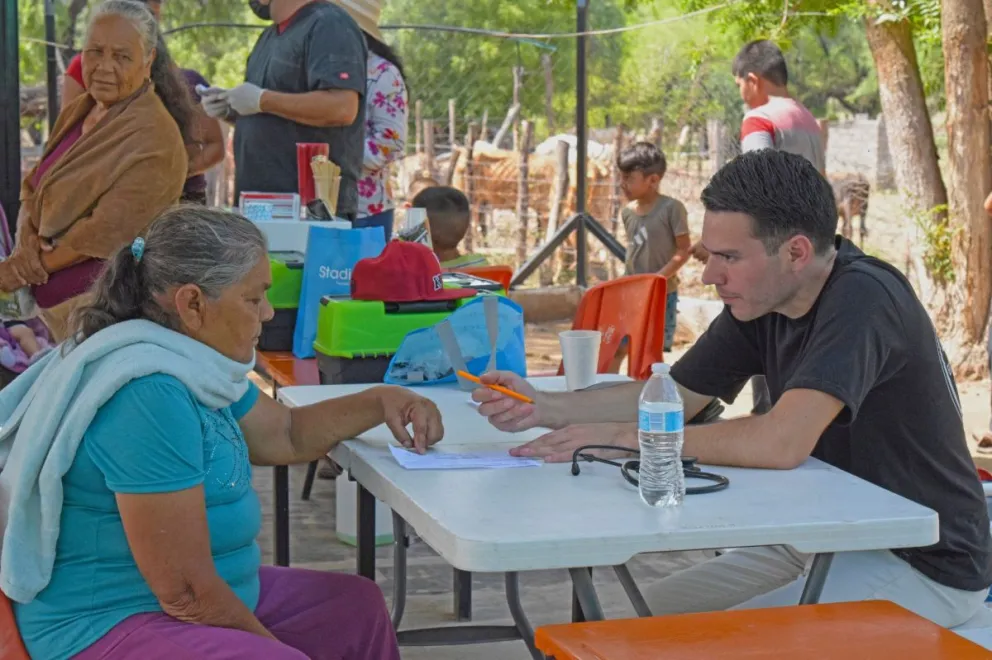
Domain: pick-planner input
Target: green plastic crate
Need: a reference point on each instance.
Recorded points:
(287, 279)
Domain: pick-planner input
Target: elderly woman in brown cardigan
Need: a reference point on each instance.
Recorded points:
(116, 159)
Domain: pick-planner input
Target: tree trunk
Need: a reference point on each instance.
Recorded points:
(907, 121)
(966, 74)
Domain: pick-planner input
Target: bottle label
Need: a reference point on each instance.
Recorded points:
(670, 421)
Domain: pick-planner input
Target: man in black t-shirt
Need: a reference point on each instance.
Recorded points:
(304, 82)
(857, 377)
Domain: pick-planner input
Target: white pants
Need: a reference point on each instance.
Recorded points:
(774, 576)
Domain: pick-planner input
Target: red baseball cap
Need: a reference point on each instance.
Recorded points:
(404, 272)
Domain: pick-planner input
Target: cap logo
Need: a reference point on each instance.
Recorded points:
(437, 283)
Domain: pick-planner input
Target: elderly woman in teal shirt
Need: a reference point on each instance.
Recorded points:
(156, 554)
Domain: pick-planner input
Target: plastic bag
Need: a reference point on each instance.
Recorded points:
(485, 334)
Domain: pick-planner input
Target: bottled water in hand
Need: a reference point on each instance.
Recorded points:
(660, 422)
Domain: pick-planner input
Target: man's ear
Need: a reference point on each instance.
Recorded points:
(800, 251)
(190, 306)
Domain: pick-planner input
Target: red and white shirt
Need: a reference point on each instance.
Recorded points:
(784, 124)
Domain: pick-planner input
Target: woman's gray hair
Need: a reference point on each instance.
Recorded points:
(136, 13)
(190, 244)
(170, 86)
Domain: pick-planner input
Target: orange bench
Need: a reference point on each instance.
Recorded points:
(879, 630)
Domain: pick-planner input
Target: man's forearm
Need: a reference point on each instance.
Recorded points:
(674, 264)
(751, 441)
(320, 108)
(617, 403)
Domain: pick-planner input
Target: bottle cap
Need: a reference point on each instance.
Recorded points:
(661, 368)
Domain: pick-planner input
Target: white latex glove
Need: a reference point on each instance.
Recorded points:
(245, 99)
(216, 106)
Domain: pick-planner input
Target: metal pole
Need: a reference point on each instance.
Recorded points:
(53, 71)
(581, 137)
(10, 113)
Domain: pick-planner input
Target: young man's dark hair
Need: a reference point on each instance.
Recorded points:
(790, 198)
(765, 60)
(448, 213)
(642, 157)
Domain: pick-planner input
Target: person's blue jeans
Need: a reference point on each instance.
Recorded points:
(384, 220)
(671, 314)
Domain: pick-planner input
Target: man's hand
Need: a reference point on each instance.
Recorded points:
(401, 407)
(245, 99)
(699, 253)
(558, 446)
(506, 413)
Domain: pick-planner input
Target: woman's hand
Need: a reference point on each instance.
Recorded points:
(400, 408)
(25, 263)
(506, 413)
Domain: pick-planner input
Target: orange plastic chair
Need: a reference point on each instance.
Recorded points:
(502, 275)
(634, 307)
(879, 630)
(11, 646)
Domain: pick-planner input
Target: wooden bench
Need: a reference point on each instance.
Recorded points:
(879, 630)
(283, 370)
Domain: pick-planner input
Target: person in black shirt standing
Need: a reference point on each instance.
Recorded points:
(857, 377)
(304, 82)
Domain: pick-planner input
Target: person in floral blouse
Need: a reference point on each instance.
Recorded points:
(385, 118)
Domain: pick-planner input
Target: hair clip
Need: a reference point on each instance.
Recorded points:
(138, 249)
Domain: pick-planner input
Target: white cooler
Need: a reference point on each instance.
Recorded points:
(347, 515)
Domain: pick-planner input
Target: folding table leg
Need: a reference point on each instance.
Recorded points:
(280, 497)
(462, 588)
(280, 488)
(524, 626)
(401, 541)
(633, 593)
(366, 533)
(578, 616)
(585, 592)
(816, 579)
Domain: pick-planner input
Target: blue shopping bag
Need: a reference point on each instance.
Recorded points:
(331, 255)
(483, 335)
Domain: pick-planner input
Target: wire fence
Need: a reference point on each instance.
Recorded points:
(489, 107)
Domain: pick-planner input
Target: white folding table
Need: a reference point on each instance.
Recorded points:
(543, 517)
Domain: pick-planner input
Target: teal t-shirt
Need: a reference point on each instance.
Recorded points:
(152, 436)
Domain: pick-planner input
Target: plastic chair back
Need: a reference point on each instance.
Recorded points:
(502, 275)
(634, 307)
(11, 646)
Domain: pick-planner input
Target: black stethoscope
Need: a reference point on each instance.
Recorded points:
(629, 468)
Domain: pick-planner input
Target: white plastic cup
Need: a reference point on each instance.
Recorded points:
(580, 356)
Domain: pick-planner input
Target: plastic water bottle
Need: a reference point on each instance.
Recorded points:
(660, 424)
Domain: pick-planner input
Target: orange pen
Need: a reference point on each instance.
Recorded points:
(496, 388)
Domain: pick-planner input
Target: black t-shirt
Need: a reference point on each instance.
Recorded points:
(321, 48)
(868, 342)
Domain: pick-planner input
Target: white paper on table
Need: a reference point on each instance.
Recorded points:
(434, 460)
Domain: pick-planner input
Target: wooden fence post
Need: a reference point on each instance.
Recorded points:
(549, 92)
(615, 198)
(470, 138)
(557, 206)
(429, 147)
(656, 134)
(518, 81)
(484, 132)
(452, 128)
(523, 190)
